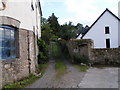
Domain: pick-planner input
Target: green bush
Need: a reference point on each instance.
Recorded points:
(42, 58)
(54, 38)
(43, 52)
(80, 59)
(64, 48)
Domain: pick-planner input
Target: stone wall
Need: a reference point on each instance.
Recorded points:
(96, 56)
(105, 56)
(79, 48)
(26, 61)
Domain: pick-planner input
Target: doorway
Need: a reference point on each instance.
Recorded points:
(107, 43)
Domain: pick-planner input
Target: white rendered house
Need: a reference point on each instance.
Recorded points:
(104, 31)
(20, 27)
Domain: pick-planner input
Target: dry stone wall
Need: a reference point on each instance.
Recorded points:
(107, 56)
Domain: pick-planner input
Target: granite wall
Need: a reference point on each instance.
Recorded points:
(107, 56)
(110, 56)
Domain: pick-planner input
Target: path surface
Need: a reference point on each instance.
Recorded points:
(73, 78)
(100, 78)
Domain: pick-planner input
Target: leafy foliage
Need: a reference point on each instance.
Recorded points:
(67, 31)
(43, 52)
(81, 59)
(54, 25)
(54, 38)
(64, 48)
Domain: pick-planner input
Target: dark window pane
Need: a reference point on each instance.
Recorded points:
(7, 34)
(12, 34)
(13, 53)
(1, 33)
(107, 43)
(6, 53)
(7, 42)
(1, 43)
(0, 53)
(107, 30)
(12, 43)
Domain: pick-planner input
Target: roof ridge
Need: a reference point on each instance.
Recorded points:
(100, 17)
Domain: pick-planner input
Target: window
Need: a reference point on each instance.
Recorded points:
(7, 42)
(32, 6)
(107, 43)
(107, 30)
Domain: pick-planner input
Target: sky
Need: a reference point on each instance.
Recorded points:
(77, 11)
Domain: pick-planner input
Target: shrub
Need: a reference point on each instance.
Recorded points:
(80, 59)
(42, 58)
(64, 48)
(54, 38)
(43, 52)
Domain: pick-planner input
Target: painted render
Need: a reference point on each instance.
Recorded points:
(22, 11)
(97, 31)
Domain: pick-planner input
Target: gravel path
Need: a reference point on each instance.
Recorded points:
(71, 79)
(100, 78)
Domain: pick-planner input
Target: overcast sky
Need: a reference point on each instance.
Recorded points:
(78, 11)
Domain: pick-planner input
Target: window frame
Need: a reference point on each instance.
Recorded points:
(107, 30)
(11, 48)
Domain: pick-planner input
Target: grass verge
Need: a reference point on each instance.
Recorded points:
(61, 68)
(27, 81)
(82, 68)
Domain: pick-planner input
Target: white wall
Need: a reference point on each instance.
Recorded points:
(23, 12)
(119, 23)
(97, 32)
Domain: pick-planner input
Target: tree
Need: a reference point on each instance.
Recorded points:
(54, 25)
(67, 31)
(43, 21)
(79, 26)
(45, 30)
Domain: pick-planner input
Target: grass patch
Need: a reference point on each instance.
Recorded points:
(27, 81)
(82, 68)
(61, 68)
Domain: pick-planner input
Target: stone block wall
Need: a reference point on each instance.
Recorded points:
(26, 61)
(79, 47)
(105, 56)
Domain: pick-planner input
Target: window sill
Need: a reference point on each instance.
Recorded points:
(8, 60)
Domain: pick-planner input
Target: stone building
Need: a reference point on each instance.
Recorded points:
(19, 31)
